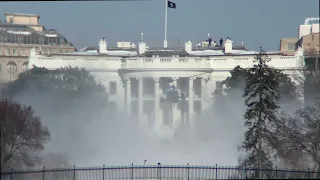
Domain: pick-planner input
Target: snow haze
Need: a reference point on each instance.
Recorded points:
(112, 138)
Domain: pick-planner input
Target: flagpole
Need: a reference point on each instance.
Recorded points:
(165, 25)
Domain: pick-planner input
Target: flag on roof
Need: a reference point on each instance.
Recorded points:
(171, 5)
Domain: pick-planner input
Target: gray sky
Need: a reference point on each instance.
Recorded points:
(257, 22)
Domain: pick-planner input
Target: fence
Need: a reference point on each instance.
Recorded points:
(158, 172)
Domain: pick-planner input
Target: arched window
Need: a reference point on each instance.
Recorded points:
(25, 66)
(12, 67)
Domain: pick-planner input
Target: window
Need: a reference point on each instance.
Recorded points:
(24, 66)
(12, 66)
(113, 87)
(291, 46)
(46, 41)
(14, 52)
(24, 40)
(11, 78)
(8, 52)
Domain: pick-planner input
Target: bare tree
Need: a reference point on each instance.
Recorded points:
(297, 138)
(22, 134)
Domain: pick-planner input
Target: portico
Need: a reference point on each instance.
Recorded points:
(164, 112)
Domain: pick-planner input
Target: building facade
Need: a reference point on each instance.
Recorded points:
(288, 45)
(138, 80)
(18, 34)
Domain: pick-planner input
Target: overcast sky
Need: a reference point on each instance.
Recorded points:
(256, 22)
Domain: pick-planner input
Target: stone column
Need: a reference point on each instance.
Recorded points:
(140, 99)
(157, 101)
(128, 96)
(202, 80)
(191, 101)
(174, 110)
(120, 95)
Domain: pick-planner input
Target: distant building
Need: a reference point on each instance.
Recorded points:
(309, 42)
(18, 34)
(288, 45)
(308, 38)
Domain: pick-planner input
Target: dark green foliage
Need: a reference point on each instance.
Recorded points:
(236, 81)
(65, 86)
(262, 94)
(235, 84)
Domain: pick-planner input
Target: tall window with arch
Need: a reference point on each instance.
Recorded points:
(12, 67)
(24, 66)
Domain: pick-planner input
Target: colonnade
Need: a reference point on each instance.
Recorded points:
(158, 116)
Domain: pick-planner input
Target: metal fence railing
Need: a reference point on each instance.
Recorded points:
(158, 172)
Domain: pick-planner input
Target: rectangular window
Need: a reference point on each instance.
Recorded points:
(14, 52)
(46, 41)
(24, 40)
(113, 88)
(291, 46)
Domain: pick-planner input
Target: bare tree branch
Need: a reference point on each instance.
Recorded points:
(22, 134)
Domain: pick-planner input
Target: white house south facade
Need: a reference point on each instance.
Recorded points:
(137, 78)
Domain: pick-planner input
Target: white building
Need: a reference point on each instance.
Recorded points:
(136, 78)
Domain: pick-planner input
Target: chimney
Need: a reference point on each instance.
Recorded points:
(142, 47)
(188, 46)
(103, 46)
(227, 46)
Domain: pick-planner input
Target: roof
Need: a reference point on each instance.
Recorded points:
(14, 30)
(21, 14)
(25, 30)
(197, 52)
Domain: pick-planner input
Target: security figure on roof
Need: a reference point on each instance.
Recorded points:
(209, 40)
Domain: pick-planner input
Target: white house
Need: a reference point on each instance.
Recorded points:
(137, 78)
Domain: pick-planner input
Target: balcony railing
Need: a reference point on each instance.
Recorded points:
(166, 63)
